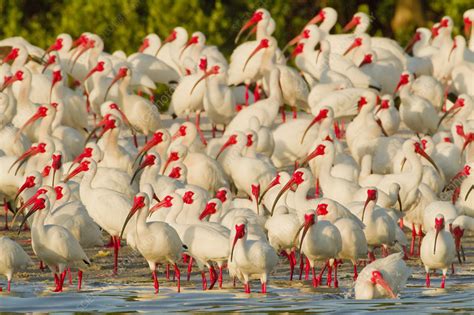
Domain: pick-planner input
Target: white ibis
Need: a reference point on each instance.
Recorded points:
(320, 240)
(383, 278)
(252, 258)
(158, 242)
(12, 259)
(54, 244)
(437, 250)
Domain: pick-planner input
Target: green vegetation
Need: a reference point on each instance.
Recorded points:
(123, 23)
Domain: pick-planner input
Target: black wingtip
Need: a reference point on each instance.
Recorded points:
(185, 247)
(86, 262)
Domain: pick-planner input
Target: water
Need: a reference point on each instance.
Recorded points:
(132, 291)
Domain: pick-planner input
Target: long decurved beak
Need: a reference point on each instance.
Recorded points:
(157, 206)
(117, 77)
(75, 172)
(379, 122)
(249, 23)
(351, 47)
(315, 120)
(38, 204)
(256, 50)
(381, 282)
(25, 205)
(138, 170)
(24, 158)
(208, 211)
(428, 158)
(399, 202)
(272, 184)
(86, 46)
(457, 105)
(135, 208)
(468, 192)
(365, 206)
(411, 43)
(281, 192)
(436, 239)
(206, 74)
(228, 143)
(38, 115)
(293, 41)
(352, 23)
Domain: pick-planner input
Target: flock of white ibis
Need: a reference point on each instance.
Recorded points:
(378, 143)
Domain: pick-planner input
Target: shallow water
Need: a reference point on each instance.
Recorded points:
(132, 291)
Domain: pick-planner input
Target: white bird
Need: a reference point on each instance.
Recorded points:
(251, 258)
(54, 244)
(12, 259)
(437, 250)
(383, 278)
(158, 242)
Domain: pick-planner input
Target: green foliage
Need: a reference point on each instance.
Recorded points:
(123, 23)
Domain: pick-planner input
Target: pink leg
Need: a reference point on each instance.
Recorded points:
(220, 277)
(329, 278)
(190, 267)
(204, 281)
(315, 280)
(246, 94)
(283, 114)
(355, 272)
(156, 284)
(420, 238)
(5, 208)
(443, 282)
(116, 252)
(213, 276)
(201, 135)
(9, 286)
(264, 288)
(427, 279)
(79, 280)
(301, 265)
(178, 276)
(320, 276)
(413, 237)
(371, 256)
(247, 287)
(256, 93)
(306, 269)
(318, 194)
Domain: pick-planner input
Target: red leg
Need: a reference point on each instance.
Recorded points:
(295, 112)
(167, 272)
(420, 238)
(213, 276)
(201, 135)
(111, 243)
(156, 284)
(336, 282)
(329, 277)
(8, 286)
(443, 281)
(79, 280)
(5, 208)
(283, 114)
(320, 276)
(315, 280)
(204, 281)
(264, 288)
(178, 276)
(190, 267)
(56, 281)
(371, 256)
(246, 94)
(116, 251)
(427, 279)
(256, 93)
(413, 237)
(220, 276)
(247, 287)
(317, 193)
(355, 272)
(41, 266)
(292, 260)
(70, 275)
(306, 269)
(301, 265)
